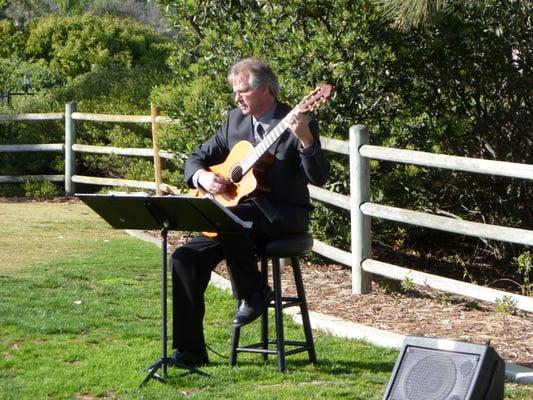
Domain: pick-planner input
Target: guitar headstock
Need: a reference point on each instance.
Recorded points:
(316, 98)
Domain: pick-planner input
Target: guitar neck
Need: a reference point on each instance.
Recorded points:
(309, 103)
(269, 139)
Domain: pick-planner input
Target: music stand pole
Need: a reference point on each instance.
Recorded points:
(163, 361)
(164, 270)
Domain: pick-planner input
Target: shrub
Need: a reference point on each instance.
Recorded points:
(41, 190)
(74, 45)
(12, 39)
(460, 87)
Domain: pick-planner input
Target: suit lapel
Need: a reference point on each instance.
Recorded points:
(250, 130)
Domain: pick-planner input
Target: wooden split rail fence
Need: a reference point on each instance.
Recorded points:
(359, 204)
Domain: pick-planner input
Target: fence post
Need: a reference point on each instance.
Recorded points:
(154, 112)
(360, 223)
(70, 139)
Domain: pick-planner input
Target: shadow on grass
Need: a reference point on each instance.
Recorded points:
(323, 366)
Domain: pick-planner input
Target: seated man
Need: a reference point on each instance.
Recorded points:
(285, 208)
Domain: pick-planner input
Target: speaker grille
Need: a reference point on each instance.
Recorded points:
(429, 374)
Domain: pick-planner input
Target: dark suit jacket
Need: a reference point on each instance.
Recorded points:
(287, 205)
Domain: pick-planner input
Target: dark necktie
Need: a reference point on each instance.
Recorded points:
(259, 132)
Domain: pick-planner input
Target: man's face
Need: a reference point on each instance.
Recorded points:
(253, 101)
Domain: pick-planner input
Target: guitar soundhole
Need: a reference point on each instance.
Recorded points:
(236, 174)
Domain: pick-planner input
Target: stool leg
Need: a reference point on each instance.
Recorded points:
(264, 316)
(280, 337)
(234, 344)
(303, 309)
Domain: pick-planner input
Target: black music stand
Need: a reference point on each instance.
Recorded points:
(184, 213)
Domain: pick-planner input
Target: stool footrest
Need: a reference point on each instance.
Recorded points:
(288, 302)
(258, 348)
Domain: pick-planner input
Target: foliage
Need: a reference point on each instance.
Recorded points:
(461, 87)
(525, 268)
(72, 7)
(144, 11)
(22, 11)
(472, 98)
(506, 305)
(74, 45)
(12, 39)
(42, 79)
(40, 190)
(105, 65)
(407, 14)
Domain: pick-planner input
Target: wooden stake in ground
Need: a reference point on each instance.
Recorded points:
(157, 159)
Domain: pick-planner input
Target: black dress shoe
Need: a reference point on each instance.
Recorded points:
(251, 307)
(188, 358)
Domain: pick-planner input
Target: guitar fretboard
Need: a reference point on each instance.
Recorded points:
(269, 139)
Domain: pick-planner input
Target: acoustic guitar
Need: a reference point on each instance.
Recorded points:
(246, 165)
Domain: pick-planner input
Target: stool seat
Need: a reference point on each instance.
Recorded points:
(296, 244)
(290, 246)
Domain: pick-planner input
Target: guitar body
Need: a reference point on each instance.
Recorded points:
(251, 181)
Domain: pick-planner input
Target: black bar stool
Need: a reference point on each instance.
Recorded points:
(290, 246)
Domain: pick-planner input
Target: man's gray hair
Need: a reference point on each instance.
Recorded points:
(258, 72)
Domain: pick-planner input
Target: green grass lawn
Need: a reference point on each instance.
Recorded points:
(80, 317)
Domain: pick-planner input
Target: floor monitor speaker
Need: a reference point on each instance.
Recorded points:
(439, 369)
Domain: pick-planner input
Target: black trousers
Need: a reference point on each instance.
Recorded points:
(192, 264)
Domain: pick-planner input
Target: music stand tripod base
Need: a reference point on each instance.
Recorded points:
(152, 374)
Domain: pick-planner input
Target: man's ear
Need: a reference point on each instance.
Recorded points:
(264, 89)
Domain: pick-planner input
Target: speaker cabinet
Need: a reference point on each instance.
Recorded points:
(438, 369)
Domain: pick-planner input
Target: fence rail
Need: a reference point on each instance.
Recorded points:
(122, 151)
(19, 148)
(465, 164)
(459, 226)
(32, 117)
(31, 178)
(358, 202)
(93, 180)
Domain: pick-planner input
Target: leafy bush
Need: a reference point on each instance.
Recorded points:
(12, 39)
(74, 45)
(41, 190)
(42, 78)
(461, 87)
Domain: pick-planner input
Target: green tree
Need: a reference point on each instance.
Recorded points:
(407, 14)
(461, 86)
(72, 7)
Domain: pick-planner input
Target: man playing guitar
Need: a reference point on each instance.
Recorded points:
(265, 184)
